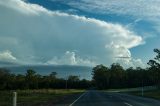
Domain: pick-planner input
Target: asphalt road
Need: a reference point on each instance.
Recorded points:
(99, 98)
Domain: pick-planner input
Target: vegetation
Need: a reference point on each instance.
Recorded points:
(32, 80)
(116, 76)
(35, 97)
(151, 94)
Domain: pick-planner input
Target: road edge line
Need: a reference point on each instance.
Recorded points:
(77, 99)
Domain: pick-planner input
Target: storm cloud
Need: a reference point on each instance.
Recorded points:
(34, 35)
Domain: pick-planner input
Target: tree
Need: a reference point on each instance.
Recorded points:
(20, 81)
(101, 76)
(156, 61)
(4, 78)
(53, 75)
(73, 78)
(52, 79)
(155, 67)
(31, 79)
(73, 81)
(117, 75)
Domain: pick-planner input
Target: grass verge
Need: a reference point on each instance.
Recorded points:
(150, 94)
(35, 97)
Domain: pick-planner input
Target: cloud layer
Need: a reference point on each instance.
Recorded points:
(138, 8)
(36, 35)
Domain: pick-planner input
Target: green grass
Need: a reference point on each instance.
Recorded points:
(33, 97)
(151, 94)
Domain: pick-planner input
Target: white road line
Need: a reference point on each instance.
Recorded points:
(77, 99)
(127, 104)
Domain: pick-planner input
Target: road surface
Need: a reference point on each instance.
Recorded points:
(99, 98)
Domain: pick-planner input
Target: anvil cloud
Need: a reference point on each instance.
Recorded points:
(32, 34)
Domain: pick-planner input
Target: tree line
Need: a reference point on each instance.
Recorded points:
(32, 80)
(103, 77)
(116, 76)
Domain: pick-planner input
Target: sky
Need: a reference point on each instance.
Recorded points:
(78, 32)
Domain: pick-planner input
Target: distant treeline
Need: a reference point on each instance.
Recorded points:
(104, 77)
(116, 76)
(32, 80)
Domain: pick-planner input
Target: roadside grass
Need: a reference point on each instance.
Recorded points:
(116, 90)
(150, 94)
(35, 97)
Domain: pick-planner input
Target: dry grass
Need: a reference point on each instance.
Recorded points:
(32, 97)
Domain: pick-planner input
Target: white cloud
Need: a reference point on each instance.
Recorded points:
(7, 56)
(131, 62)
(72, 59)
(22, 7)
(44, 34)
(118, 50)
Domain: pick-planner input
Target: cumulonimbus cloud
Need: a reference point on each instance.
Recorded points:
(41, 35)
